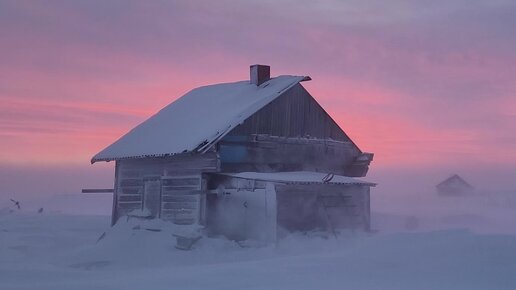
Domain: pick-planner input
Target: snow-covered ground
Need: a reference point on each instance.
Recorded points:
(483, 213)
(440, 244)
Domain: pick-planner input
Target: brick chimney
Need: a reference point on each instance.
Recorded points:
(260, 74)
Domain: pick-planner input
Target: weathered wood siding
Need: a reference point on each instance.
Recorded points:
(293, 114)
(262, 153)
(179, 195)
(324, 206)
(114, 209)
(298, 207)
(292, 133)
(182, 199)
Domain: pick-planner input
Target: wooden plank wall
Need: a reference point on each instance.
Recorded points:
(176, 174)
(294, 114)
(308, 207)
(181, 199)
(303, 207)
(312, 140)
(262, 153)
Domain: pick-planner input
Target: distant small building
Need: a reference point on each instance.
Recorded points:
(250, 159)
(454, 186)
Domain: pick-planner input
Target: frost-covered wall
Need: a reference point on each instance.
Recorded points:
(292, 133)
(304, 207)
(264, 153)
(242, 208)
(166, 188)
(243, 213)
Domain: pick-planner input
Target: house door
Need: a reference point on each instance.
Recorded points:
(152, 196)
(245, 214)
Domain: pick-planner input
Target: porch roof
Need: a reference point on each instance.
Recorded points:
(301, 177)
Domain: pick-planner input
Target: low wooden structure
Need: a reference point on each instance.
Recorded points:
(209, 150)
(454, 186)
(272, 204)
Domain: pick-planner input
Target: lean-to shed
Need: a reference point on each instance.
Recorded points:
(257, 150)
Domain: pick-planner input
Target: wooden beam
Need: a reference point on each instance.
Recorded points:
(97, 190)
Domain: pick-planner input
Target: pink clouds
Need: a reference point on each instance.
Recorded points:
(394, 126)
(406, 131)
(415, 89)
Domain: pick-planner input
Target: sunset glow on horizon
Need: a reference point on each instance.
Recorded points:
(417, 84)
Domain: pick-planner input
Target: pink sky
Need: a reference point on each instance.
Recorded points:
(420, 84)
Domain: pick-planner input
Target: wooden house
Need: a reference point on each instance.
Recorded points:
(454, 186)
(249, 159)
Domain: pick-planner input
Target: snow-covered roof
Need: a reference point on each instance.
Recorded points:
(197, 120)
(299, 177)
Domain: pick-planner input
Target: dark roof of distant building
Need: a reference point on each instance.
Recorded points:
(454, 179)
